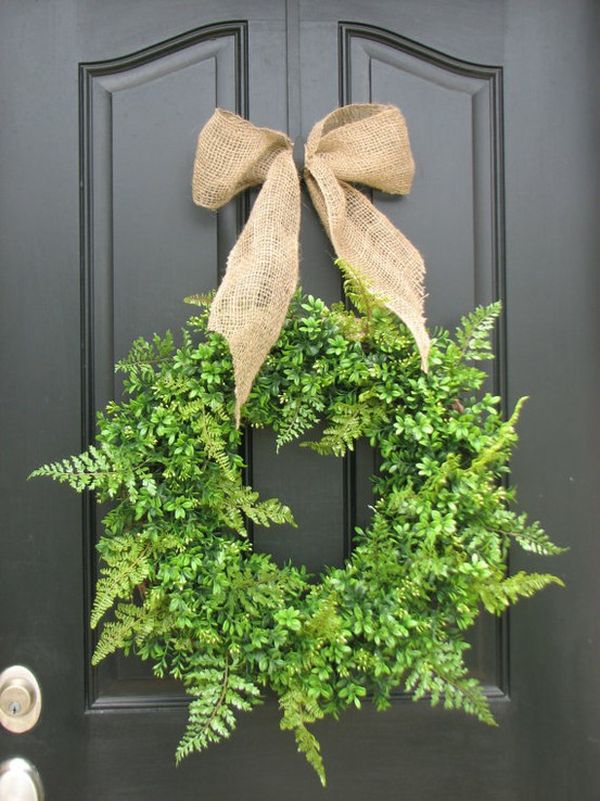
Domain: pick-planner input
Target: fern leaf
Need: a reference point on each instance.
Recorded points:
(297, 418)
(473, 336)
(298, 710)
(118, 580)
(215, 446)
(496, 597)
(270, 511)
(131, 620)
(358, 291)
(533, 538)
(216, 692)
(349, 422)
(453, 688)
(98, 468)
(204, 300)
(340, 437)
(504, 438)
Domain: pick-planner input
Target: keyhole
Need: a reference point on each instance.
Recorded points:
(14, 708)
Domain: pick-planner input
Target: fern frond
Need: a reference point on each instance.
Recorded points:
(204, 299)
(119, 579)
(217, 691)
(358, 291)
(215, 446)
(298, 710)
(94, 469)
(473, 336)
(348, 423)
(130, 621)
(269, 511)
(298, 417)
(452, 687)
(533, 538)
(504, 438)
(496, 597)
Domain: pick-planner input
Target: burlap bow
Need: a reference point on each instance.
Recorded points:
(363, 143)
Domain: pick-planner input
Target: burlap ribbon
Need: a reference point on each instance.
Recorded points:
(362, 143)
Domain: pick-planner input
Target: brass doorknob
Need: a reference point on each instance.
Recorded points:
(20, 781)
(20, 699)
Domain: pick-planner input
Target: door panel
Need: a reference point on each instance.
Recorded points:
(99, 243)
(455, 113)
(134, 111)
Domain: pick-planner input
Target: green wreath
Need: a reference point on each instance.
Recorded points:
(189, 593)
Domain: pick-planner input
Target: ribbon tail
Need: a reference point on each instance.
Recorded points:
(364, 237)
(251, 303)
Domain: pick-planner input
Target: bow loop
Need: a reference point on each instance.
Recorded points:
(366, 144)
(359, 143)
(232, 155)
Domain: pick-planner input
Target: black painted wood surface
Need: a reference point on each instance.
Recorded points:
(101, 104)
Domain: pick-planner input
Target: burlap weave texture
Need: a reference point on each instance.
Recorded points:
(358, 143)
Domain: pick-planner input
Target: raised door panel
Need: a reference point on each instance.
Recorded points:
(145, 246)
(454, 213)
(454, 114)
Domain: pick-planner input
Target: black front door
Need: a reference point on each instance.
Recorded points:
(99, 243)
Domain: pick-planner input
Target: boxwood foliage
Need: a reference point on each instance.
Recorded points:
(179, 575)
